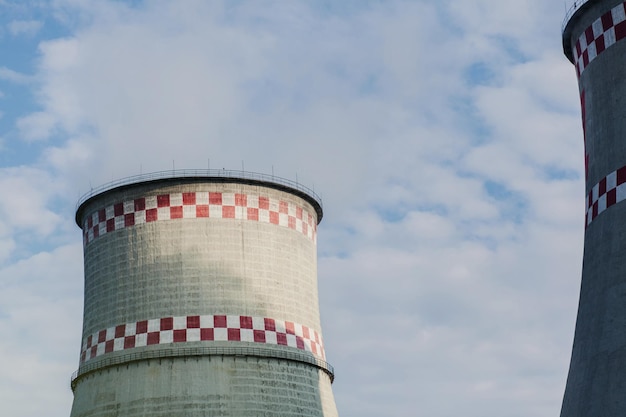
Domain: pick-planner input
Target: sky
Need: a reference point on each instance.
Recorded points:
(443, 136)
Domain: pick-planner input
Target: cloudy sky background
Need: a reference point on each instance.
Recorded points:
(444, 137)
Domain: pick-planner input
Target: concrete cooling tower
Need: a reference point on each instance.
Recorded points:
(594, 40)
(201, 299)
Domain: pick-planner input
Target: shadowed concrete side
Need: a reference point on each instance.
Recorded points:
(594, 40)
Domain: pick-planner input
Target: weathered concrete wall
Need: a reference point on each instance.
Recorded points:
(177, 265)
(205, 386)
(596, 384)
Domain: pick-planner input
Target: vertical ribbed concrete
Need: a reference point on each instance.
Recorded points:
(594, 40)
(201, 300)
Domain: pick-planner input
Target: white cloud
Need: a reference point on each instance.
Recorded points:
(36, 126)
(13, 76)
(40, 299)
(25, 212)
(438, 192)
(24, 27)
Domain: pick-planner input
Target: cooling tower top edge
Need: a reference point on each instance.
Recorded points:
(209, 175)
(578, 6)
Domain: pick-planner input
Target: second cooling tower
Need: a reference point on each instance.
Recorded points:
(201, 300)
(594, 40)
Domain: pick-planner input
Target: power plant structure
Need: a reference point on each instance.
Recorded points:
(594, 40)
(201, 298)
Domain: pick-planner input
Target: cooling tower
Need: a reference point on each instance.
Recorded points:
(201, 299)
(594, 40)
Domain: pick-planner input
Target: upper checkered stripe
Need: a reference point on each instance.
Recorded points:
(199, 329)
(603, 33)
(609, 191)
(198, 205)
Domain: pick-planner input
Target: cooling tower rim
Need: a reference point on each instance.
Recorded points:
(204, 175)
(571, 16)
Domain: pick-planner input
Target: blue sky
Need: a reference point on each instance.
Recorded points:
(443, 136)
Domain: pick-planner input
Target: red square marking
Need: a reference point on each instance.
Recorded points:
(283, 207)
(274, 217)
(290, 328)
(180, 335)
(253, 214)
(94, 351)
(264, 203)
(299, 343)
(585, 58)
(594, 210)
(215, 198)
(305, 332)
(299, 213)
(176, 212)
(118, 209)
(602, 187)
(611, 197)
(292, 222)
(163, 200)
(234, 335)
(120, 331)
(202, 211)
(245, 322)
(228, 212)
(102, 215)
(151, 215)
(142, 327)
(270, 324)
(108, 346)
(96, 231)
(259, 336)
(589, 35)
(193, 322)
(110, 225)
(140, 204)
(129, 219)
(219, 321)
(89, 340)
(241, 200)
(281, 339)
(129, 342)
(102, 336)
(600, 44)
(189, 199)
(206, 334)
(83, 356)
(607, 21)
(154, 338)
(90, 222)
(167, 323)
(621, 175)
(620, 31)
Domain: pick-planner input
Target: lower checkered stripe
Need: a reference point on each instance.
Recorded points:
(206, 328)
(608, 192)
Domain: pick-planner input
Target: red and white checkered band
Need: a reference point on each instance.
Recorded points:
(195, 205)
(207, 328)
(603, 33)
(609, 191)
